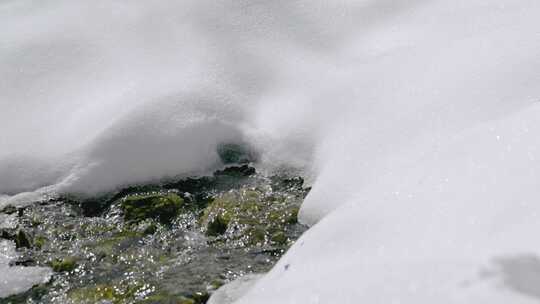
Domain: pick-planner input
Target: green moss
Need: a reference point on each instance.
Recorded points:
(256, 236)
(93, 229)
(161, 207)
(280, 238)
(292, 215)
(105, 293)
(64, 265)
(256, 219)
(92, 294)
(109, 245)
(217, 226)
(98, 293)
(39, 242)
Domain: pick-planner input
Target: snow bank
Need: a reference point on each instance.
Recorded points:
(455, 225)
(434, 176)
(416, 120)
(91, 86)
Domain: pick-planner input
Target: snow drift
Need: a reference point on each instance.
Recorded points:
(417, 120)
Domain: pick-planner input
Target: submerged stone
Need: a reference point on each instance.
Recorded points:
(64, 265)
(251, 216)
(176, 244)
(161, 207)
(113, 244)
(104, 293)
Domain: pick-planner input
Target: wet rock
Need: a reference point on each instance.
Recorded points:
(280, 238)
(166, 298)
(161, 207)
(236, 171)
(217, 225)
(23, 261)
(169, 243)
(250, 216)
(200, 297)
(104, 293)
(150, 229)
(235, 154)
(115, 243)
(23, 239)
(64, 265)
(9, 209)
(287, 183)
(8, 233)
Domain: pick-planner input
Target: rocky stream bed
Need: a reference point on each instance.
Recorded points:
(174, 242)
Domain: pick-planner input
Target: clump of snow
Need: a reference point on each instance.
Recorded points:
(17, 279)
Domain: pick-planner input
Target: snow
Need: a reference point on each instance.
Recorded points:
(17, 279)
(456, 225)
(234, 290)
(417, 122)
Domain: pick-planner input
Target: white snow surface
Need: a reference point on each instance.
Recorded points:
(234, 290)
(17, 279)
(417, 120)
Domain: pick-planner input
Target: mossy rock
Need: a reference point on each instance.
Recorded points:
(93, 294)
(229, 208)
(280, 238)
(236, 172)
(234, 154)
(110, 245)
(103, 293)
(161, 207)
(217, 225)
(64, 265)
(39, 242)
(251, 216)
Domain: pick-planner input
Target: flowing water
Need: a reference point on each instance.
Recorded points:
(101, 255)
